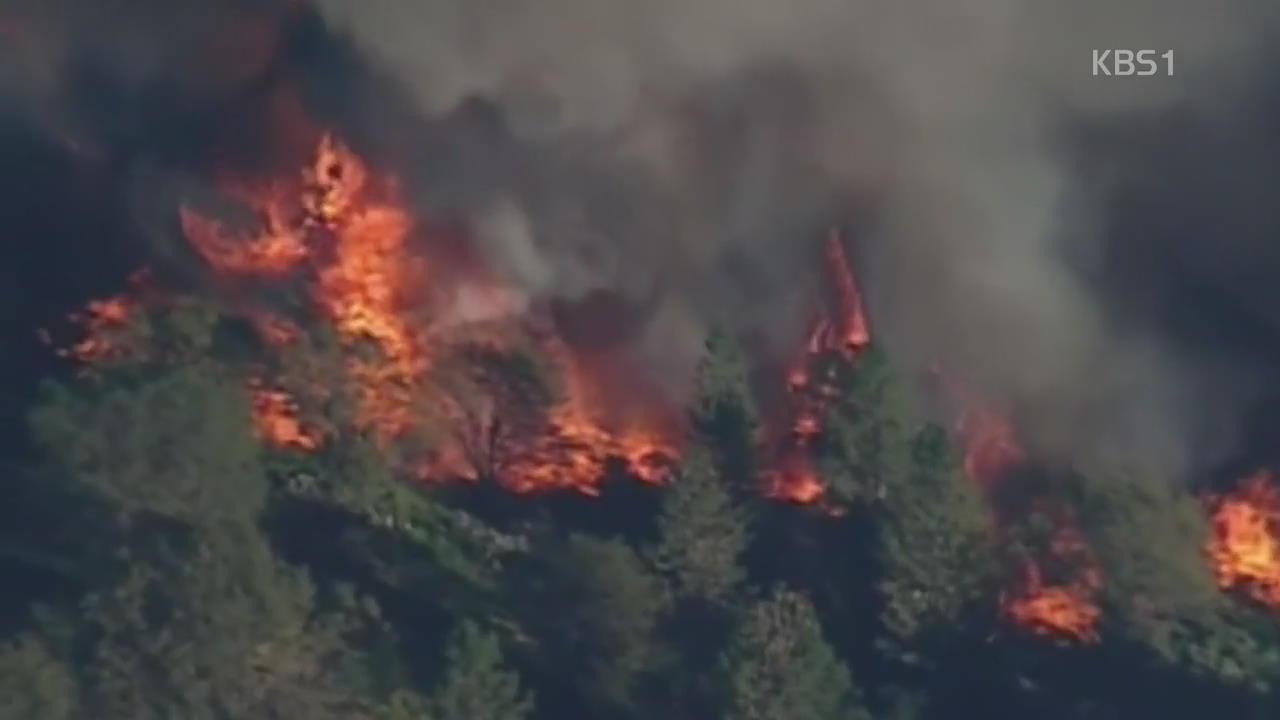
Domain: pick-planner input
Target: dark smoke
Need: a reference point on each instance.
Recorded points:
(962, 123)
(1092, 252)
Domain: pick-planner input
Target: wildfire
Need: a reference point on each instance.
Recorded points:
(991, 447)
(374, 290)
(1244, 547)
(335, 216)
(364, 291)
(852, 335)
(1064, 604)
(838, 337)
(275, 419)
(102, 323)
(1066, 609)
(276, 249)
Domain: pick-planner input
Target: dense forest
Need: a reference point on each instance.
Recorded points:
(320, 458)
(232, 514)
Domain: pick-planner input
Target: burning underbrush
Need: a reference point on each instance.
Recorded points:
(1244, 547)
(498, 395)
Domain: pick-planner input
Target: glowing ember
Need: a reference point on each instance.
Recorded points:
(796, 482)
(1066, 609)
(1244, 549)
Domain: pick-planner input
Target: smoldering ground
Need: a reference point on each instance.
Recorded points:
(1025, 225)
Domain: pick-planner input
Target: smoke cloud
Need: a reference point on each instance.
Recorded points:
(944, 128)
(688, 155)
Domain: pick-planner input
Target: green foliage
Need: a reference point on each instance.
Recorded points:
(723, 414)
(403, 536)
(199, 617)
(868, 433)
(594, 608)
(934, 546)
(183, 332)
(702, 533)
(1158, 591)
(779, 667)
(222, 629)
(178, 444)
(475, 685)
(35, 684)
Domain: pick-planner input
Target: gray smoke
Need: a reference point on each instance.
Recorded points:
(752, 121)
(689, 154)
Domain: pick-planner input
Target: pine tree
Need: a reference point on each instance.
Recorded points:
(222, 629)
(178, 444)
(35, 684)
(779, 667)
(724, 416)
(934, 548)
(476, 685)
(702, 533)
(606, 609)
(867, 447)
(1158, 591)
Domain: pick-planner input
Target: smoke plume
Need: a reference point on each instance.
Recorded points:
(714, 138)
(686, 156)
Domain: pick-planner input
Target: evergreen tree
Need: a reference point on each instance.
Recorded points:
(1158, 591)
(476, 685)
(867, 447)
(934, 547)
(593, 607)
(724, 416)
(222, 630)
(178, 444)
(779, 667)
(34, 684)
(702, 533)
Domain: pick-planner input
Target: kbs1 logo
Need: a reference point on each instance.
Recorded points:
(1123, 63)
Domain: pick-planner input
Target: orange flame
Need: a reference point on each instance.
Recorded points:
(853, 336)
(364, 291)
(333, 210)
(1244, 547)
(991, 448)
(793, 479)
(1067, 609)
(275, 419)
(370, 285)
(102, 322)
(275, 250)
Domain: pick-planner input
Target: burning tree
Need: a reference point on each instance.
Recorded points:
(1244, 545)
(1160, 594)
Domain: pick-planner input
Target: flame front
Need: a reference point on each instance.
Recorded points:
(1244, 547)
(347, 229)
(364, 289)
(1056, 593)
